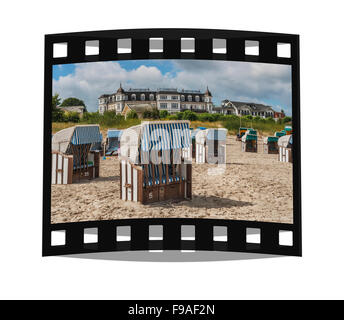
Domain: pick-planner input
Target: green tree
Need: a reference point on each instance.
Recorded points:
(73, 102)
(55, 101)
(56, 114)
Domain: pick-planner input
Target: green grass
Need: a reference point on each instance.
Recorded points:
(231, 123)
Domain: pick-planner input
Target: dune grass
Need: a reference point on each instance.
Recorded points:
(230, 122)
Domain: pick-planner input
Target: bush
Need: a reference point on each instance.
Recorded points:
(147, 114)
(57, 116)
(247, 117)
(72, 117)
(132, 115)
(155, 113)
(286, 119)
(189, 115)
(164, 114)
(179, 115)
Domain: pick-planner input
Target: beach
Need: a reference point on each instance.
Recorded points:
(254, 187)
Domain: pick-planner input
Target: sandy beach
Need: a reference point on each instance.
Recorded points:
(255, 187)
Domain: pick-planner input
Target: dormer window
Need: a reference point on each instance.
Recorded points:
(151, 97)
(189, 98)
(197, 98)
(143, 97)
(182, 98)
(133, 97)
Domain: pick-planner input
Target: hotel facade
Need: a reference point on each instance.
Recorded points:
(169, 99)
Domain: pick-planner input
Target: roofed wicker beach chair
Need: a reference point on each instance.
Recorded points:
(113, 142)
(152, 163)
(285, 145)
(211, 146)
(288, 130)
(72, 157)
(249, 141)
(241, 132)
(270, 145)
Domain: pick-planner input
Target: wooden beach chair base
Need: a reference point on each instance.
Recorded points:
(249, 146)
(271, 148)
(138, 186)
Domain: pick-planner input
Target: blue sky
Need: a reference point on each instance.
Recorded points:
(236, 81)
(164, 66)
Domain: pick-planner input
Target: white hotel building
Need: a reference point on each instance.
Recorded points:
(169, 99)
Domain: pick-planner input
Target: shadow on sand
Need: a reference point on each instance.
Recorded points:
(204, 202)
(99, 179)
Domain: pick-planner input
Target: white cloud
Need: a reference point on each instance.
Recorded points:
(238, 81)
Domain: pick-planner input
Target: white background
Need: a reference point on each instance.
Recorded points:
(25, 274)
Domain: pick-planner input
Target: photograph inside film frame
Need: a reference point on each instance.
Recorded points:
(172, 139)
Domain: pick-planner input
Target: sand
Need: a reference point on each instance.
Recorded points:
(255, 187)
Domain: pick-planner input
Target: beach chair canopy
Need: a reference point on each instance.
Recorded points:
(217, 134)
(285, 141)
(249, 137)
(279, 134)
(251, 131)
(77, 135)
(202, 128)
(194, 133)
(156, 136)
(270, 139)
(114, 133)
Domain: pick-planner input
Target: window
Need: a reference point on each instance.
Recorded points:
(143, 97)
(197, 98)
(189, 98)
(133, 97)
(163, 97)
(151, 97)
(174, 105)
(118, 98)
(182, 98)
(174, 97)
(163, 105)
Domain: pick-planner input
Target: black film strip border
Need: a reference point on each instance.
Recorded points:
(235, 51)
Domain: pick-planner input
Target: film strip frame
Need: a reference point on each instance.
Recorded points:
(203, 228)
